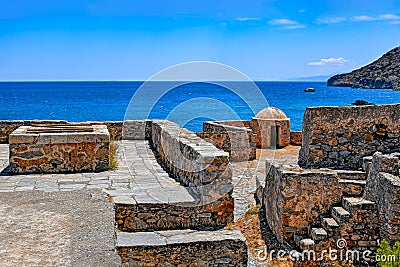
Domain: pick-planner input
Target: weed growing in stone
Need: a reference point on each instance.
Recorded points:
(113, 160)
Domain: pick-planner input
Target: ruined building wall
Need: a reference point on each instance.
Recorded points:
(294, 198)
(339, 137)
(383, 188)
(233, 137)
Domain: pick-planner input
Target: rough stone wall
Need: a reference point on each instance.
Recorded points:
(340, 137)
(224, 248)
(136, 129)
(262, 129)
(360, 229)
(194, 162)
(295, 138)
(294, 198)
(59, 152)
(154, 217)
(232, 137)
(7, 127)
(383, 187)
(245, 124)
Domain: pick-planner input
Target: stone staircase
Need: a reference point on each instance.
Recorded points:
(162, 223)
(355, 221)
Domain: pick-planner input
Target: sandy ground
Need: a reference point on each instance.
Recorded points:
(73, 228)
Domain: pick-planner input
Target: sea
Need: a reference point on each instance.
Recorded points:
(188, 103)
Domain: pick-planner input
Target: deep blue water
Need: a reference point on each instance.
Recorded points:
(189, 105)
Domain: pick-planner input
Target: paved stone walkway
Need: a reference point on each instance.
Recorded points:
(138, 172)
(246, 173)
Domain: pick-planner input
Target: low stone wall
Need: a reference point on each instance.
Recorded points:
(383, 188)
(7, 127)
(295, 138)
(136, 129)
(182, 248)
(294, 198)
(155, 217)
(340, 137)
(194, 162)
(59, 149)
(232, 137)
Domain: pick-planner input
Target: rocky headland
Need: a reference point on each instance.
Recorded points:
(383, 73)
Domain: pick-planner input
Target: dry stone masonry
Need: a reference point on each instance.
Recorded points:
(60, 148)
(233, 137)
(340, 137)
(173, 221)
(347, 185)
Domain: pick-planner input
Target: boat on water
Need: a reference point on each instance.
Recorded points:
(309, 89)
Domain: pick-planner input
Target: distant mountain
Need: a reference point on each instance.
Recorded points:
(383, 73)
(321, 78)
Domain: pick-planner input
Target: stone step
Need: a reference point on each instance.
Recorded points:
(303, 242)
(353, 182)
(351, 175)
(340, 214)
(306, 244)
(329, 224)
(182, 248)
(352, 203)
(318, 234)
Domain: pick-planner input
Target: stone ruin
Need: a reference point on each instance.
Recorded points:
(270, 128)
(59, 148)
(345, 185)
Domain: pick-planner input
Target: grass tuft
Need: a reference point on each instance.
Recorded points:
(113, 160)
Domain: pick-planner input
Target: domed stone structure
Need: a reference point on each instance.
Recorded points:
(271, 127)
(271, 113)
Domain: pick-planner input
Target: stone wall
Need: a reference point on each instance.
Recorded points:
(183, 248)
(194, 162)
(232, 137)
(295, 138)
(55, 150)
(158, 216)
(294, 198)
(136, 129)
(339, 137)
(383, 188)
(7, 127)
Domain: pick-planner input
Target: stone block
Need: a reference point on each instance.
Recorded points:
(60, 148)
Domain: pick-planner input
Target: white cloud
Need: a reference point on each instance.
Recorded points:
(339, 61)
(330, 20)
(362, 18)
(301, 11)
(389, 17)
(287, 24)
(247, 19)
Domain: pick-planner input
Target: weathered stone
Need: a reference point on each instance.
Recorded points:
(372, 130)
(60, 148)
(183, 248)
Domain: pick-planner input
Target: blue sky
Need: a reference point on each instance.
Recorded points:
(132, 40)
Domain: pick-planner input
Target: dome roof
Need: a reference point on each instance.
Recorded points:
(271, 113)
